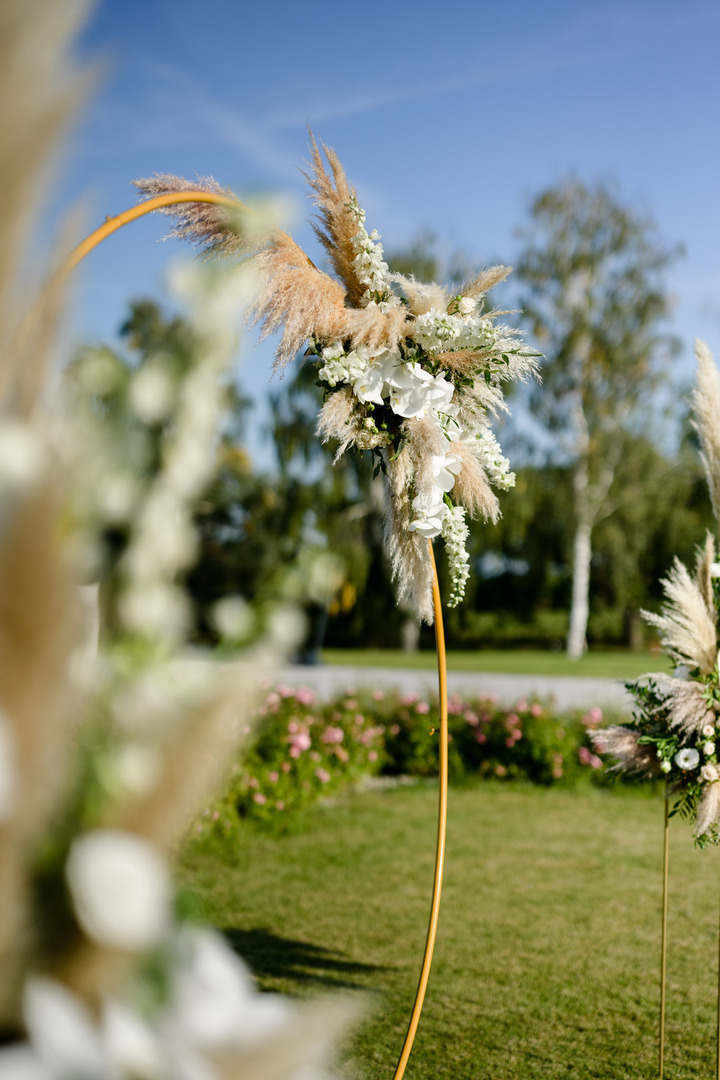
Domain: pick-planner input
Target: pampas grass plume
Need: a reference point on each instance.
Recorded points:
(705, 402)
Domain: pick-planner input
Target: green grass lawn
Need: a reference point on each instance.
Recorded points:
(603, 664)
(548, 948)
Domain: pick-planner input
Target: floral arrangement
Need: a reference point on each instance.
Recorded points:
(412, 372)
(107, 742)
(675, 731)
(304, 749)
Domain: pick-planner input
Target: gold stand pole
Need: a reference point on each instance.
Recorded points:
(441, 828)
(663, 942)
(112, 225)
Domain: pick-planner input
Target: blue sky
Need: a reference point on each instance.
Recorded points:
(446, 117)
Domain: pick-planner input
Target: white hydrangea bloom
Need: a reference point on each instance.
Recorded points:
(120, 888)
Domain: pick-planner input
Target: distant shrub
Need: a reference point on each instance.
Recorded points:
(306, 749)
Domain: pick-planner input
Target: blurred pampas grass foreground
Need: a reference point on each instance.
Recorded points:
(106, 751)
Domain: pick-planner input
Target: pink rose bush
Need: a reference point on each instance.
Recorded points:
(306, 750)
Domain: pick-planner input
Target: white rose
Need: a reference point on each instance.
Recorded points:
(687, 759)
(708, 749)
(715, 569)
(466, 305)
(708, 731)
(120, 889)
(708, 773)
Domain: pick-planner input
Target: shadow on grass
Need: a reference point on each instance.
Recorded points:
(272, 956)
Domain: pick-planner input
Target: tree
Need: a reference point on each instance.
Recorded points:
(592, 270)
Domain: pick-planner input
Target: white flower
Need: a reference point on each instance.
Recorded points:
(687, 758)
(455, 533)
(117, 496)
(445, 468)
(287, 626)
(465, 305)
(132, 1046)
(156, 609)
(430, 512)
(715, 569)
(61, 1031)
(408, 386)
(233, 618)
(369, 387)
(708, 749)
(709, 773)
(120, 889)
(213, 1002)
(665, 766)
(152, 394)
(708, 731)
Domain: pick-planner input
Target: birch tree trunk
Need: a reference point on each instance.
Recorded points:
(580, 605)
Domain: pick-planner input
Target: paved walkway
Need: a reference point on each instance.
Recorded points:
(567, 691)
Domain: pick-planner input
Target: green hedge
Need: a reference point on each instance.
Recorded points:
(306, 749)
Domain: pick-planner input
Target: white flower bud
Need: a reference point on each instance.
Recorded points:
(465, 305)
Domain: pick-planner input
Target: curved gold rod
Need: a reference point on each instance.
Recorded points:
(441, 827)
(172, 198)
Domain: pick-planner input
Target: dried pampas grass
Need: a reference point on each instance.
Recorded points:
(336, 228)
(338, 420)
(703, 574)
(408, 553)
(686, 702)
(631, 756)
(484, 281)
(705, 402)
(708, 810)
(472, 487)
(687, 629)
(210, 226)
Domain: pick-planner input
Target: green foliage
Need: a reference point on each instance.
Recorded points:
(305, 749)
